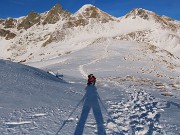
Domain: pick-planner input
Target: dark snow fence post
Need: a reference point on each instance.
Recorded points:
(70, 115)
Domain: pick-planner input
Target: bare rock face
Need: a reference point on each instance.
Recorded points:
(51, 17)
(7, 23)
(2, 21)
(90, 11)
(30, 20)
(85, 14)
(10, 35)
(166, 23)
(3, 32)
(55, 14)
(138, 12)
(56, 36)
(10, 23)
(73, 22)
(7, 34)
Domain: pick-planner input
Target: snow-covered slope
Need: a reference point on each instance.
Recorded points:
(27, 86)
(155, 30)
(138, 84)
(28, 94)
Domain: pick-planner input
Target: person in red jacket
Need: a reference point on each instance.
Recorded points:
(91, 79)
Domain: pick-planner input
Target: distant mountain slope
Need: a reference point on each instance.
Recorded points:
(35, 36)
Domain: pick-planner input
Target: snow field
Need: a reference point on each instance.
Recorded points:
(131, 81)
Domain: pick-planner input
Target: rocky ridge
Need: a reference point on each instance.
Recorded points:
(166, 22)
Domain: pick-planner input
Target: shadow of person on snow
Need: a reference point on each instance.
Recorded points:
(91, 101)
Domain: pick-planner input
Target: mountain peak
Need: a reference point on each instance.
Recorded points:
(89, 11)
(55, 14)
(57, 7)
(30, 20)
(85, 14)
(166, 23)
(142, 13)
(86, 7)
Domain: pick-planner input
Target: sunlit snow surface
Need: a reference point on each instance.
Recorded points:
(140, 88)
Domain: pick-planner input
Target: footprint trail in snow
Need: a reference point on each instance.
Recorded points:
(138, 115)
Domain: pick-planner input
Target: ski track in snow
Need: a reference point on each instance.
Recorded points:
(82, 70)
(13, 124)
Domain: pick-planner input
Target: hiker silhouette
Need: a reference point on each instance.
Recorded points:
(91, 101)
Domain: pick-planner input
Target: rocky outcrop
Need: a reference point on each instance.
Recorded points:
(138, 12)
(55, 14)
(166, 22)
(10, 23)
(32, 19)
(7, 34)
(56, 36)
(2, 21)
(91, 12)
(73, 22)
(139, 36)
(83, 16)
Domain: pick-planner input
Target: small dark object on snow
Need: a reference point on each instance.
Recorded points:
(91, 79)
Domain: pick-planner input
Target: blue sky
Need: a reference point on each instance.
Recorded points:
(17, 8)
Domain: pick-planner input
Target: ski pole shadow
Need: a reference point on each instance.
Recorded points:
(91, 101)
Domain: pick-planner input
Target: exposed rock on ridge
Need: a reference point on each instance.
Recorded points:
(166, 23)
(87, 12)
(7, 34)
(55, 14)
(30, 20)
(10, 23)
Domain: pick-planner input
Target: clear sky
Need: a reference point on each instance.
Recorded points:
(118, 8)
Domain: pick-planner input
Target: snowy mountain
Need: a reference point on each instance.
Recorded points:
(160, 31)
(135, 58)
(166, 23)
(29, 37)
(90, 12)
